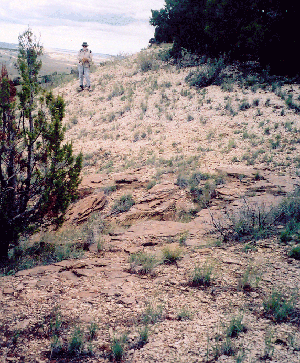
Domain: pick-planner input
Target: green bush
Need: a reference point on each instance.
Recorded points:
(289, 209)
(295, 252)
(182, 182)
(252, 221)
(208, 74)
(123, 204)
(164, 55)
(26, 256)
(198, 177)
(291, 231)
(145, 61)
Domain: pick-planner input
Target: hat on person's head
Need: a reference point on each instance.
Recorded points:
(85, 44)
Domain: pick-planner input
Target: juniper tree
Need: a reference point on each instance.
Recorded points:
(39, 175)
(261, 30)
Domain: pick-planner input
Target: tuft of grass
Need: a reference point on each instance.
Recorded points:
(291, 104)
(268, 347)
(223, 348)
(171, 255)
(256, 102)
(183, 237)
(118, 347)
(184, 314)
(152, 314)
(182, 182)
(151, 184)
(249, 247)
(56, 322)
(249, 279)
(201, 276)
(142, 263)
(240, 356)
(143, 336)
(145, 61)
(76, 342)
(278, 306)
(55, 330)
(227, 85)
(93, 328)
(100, 245)
(109, 189)
(235, 327)
(245, 105)
(56, 346)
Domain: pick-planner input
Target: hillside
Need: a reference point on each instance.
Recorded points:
(180, 253)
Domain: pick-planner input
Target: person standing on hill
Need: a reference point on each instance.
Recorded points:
(85, 59)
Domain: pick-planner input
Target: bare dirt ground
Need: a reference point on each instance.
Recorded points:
(144, 133)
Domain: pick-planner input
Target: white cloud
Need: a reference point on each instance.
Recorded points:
(109, 27)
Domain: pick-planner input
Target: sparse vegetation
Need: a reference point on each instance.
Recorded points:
(140, 149)
(26, 256)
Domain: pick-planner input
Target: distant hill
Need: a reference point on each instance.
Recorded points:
(67, 51)
(10, 46)
(54, 60)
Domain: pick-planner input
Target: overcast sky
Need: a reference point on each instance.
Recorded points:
(108, 26)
